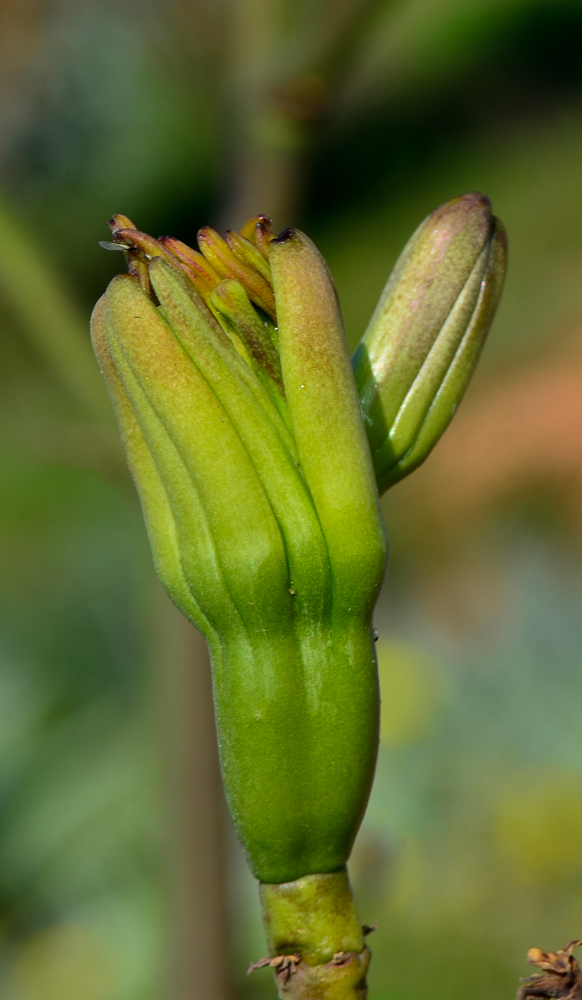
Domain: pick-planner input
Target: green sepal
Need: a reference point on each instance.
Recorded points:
(246, 535)
(274, 464)
(159, 516)
(327, 421)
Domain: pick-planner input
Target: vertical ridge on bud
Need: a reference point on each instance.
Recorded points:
(158, 515)
(273, 463)
(240, 518)
(325, 414)
(174, 550)
(182, 308)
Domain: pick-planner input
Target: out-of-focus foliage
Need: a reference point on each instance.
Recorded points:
(353, 120)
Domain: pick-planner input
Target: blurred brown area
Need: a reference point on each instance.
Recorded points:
(120, 877)
(519, 434)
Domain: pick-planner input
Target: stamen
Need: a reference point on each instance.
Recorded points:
(250, 227)
(224, 262)
(248, 254)
(195, 265)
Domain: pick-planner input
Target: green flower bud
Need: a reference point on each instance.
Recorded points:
(249, 453)
(424, 339)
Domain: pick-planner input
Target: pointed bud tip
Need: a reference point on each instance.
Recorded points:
(476, 199)
(473, 208)
(284, 236)
(119, 221)
(498, 231)
(119, 281)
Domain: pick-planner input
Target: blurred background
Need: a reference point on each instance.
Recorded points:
(120, 876)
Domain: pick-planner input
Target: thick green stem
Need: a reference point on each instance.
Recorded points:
(316, 942)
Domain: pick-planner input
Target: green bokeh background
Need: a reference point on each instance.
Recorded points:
(352, 119)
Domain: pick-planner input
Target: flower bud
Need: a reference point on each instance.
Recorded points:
(242, 423)
(424, 339)
(259, 225)
(252, 464)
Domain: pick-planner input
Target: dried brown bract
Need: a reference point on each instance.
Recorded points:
(560, 977)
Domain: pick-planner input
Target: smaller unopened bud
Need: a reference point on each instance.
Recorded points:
(416, 358)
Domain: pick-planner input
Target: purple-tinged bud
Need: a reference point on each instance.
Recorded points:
(416, 358)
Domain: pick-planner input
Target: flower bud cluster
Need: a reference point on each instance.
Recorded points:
(259, 459)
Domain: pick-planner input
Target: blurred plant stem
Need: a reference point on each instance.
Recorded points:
(284, 70)
(198, 934)
(46, 312)
(48, 317)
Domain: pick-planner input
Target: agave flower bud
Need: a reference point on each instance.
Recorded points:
(424, 339)
(236, 401)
